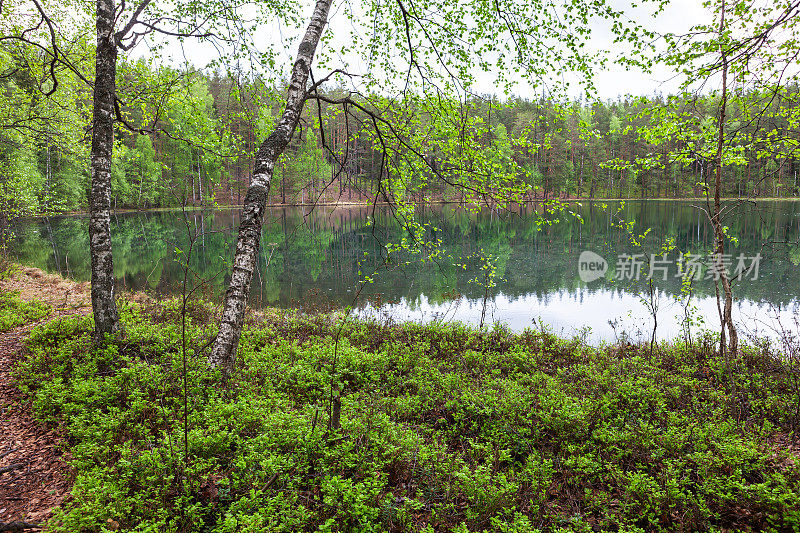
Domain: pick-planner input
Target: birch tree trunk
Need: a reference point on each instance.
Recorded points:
(719, 235)
(106, 316)
(223, 352)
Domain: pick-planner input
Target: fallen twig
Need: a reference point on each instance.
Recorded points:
(18, 526)
(10, 450)
(9, 468)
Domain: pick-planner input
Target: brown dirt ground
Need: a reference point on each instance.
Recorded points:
(34, 472)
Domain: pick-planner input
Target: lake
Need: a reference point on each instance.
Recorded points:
(318, 260)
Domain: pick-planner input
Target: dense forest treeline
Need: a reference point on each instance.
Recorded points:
(189, 138)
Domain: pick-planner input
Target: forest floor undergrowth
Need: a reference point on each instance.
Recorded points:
(336, 424)
(34, 466)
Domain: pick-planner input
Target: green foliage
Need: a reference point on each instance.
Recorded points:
(15, 311)
(442, 428)
(208, 127)
(301, 168)
(20, 181)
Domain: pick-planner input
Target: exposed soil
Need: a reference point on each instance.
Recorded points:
(66, 297)
(34, 472)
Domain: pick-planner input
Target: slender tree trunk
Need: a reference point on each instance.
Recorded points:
(223, 352)
(48, 175)
(727, 321)
(141, 182)
(199, 178)
(106, 316)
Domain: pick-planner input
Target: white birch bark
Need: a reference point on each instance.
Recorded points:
(223, 351)
(104, 307)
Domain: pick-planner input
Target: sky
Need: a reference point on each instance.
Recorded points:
(678, 17)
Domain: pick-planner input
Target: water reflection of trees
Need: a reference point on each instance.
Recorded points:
(323, 251)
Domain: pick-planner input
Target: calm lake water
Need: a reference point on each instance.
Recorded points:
(313, 260)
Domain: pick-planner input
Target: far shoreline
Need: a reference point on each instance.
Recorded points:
(351, 204)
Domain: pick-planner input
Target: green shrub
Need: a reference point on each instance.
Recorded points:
(442, 429)
(15, 312)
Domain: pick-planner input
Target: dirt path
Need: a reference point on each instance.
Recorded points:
(34, 472)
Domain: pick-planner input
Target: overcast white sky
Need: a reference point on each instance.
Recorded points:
(678, 17)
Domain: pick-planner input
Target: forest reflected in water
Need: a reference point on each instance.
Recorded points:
(318, 259)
